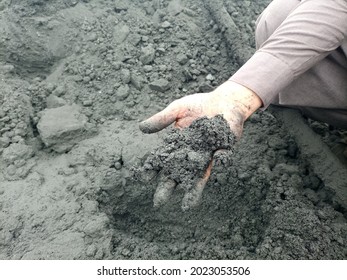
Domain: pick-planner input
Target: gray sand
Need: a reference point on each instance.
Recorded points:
(77, 77)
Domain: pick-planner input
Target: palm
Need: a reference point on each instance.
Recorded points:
(231, 100)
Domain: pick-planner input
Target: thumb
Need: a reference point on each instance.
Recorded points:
(162, 119)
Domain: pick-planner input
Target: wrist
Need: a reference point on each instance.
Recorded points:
(239, 97)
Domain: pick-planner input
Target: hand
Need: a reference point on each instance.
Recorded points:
(231, 100)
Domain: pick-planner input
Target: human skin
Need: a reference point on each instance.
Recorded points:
(233, 101)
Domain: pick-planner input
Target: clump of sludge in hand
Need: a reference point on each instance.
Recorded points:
(185, 154)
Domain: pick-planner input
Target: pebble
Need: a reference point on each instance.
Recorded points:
(125, 76)
(160, 85)
(165, 24)
(121, 33)
(144, 39)
(53, 101)
(59, 91)
(175, 7)
(87, 103)
(91, 250)
(61, 128)
(182, 58)
(148, 68)
(117, 165)
(277, 250)
(195, 72)
(136, 81)
(147, 55)
(4, 142)
(209, 77)
(126, 252)
(93, 37)
(19, 162)
(11, 170)
(134, 39)
(292, 150)
(162, 68)
(5, 119)
(16, 152)
(116, 65)
(123, 92)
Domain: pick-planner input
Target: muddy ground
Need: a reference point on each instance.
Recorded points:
(76, 78)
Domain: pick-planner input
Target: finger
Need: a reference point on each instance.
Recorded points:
(193, 198)
(161, 120)
(235, 124)
(184, 122)
(163, 192)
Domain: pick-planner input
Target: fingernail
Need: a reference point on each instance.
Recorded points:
(144, 127)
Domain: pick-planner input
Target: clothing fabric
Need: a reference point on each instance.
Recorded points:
(301, 58)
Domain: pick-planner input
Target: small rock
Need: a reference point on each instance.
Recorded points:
(195, 72)
(54, 101)
(292, 150)
(160, 85)
(4, 142)
(209, 77)
(17, 151)
(91, 250)
(11, 170)
(19, 163)
(175, 7)
(211, 54)
(148, 68)
(61, 128)
(205, 87)
(7, 68)
(96, 227)
(87, 103)
(120, 6)
(162, 68)
(121, 33)
(93, 37)
(136, 81)
(182, 58)
(117, 165)
(59, 91)
(161, 50)
(144, 38)
(165, 24)
(126, 252)
(147, 55)
(125, 76)
(134, 39)
(5, 119)
(123, 92)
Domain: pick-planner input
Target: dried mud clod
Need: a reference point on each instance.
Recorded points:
(186, 154)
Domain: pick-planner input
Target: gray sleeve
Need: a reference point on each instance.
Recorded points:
(312, 31)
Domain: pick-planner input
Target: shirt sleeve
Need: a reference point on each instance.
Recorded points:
(310, 32)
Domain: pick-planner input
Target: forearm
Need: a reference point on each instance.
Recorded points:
(311, 32)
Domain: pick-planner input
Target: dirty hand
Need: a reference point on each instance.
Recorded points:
(231, 100)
